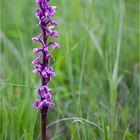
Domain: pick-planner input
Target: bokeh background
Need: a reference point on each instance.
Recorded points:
(96, 89)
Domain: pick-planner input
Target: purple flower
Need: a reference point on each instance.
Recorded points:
(36, 103)
(41, 104)
(48, 72)
(50, 32)
(52, 22)
(38, 13)
(55, 45)
(37, 50)
(42, 63)
(37, 60)
(44, 90)
(38, 68)
(54, 34)
(49, 103)
(36, 38)
(51, 10)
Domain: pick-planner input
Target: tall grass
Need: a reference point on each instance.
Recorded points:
(96, 89)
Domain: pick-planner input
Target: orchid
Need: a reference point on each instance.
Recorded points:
(43, 68)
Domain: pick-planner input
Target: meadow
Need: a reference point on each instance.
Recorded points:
(96, 90)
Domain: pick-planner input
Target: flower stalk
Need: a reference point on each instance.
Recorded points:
(42, 67)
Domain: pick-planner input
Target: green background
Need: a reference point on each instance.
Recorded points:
(96, 89)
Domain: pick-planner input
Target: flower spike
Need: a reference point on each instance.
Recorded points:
(44, 13)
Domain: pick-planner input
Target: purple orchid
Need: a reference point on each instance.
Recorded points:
(44, 14)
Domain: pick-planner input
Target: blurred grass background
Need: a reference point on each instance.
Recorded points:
(96, 89)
